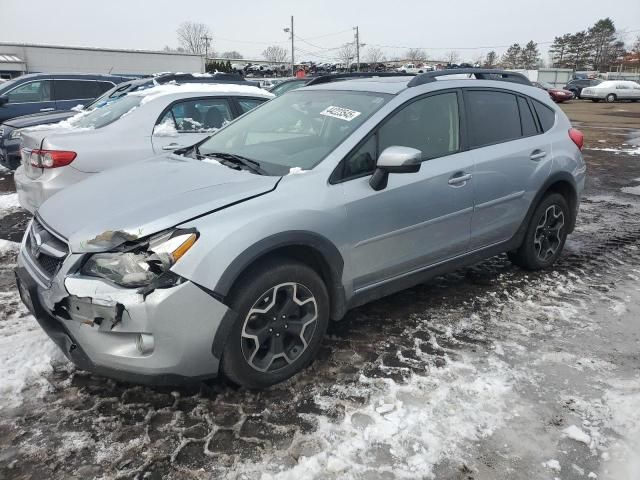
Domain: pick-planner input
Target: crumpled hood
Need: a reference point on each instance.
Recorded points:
(144, 198)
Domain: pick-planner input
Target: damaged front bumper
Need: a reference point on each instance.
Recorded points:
(170, 336)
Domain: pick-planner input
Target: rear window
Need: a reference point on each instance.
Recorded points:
(106, 114)
(493, 117)
(526, 117)
(546, 115)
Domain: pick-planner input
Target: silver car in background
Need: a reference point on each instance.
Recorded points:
(130, 128)
(612, 90)
(232, 256)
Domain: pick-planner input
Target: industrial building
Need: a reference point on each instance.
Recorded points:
(19, 58)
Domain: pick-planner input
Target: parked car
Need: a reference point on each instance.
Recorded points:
(613, 90)
(133, 127)
(558, 95)
(411, 68)
(576, 85)
(232, 256)
(11, 130)
(40, 92)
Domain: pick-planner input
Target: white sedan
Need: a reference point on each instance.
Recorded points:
(612, 90)
(136, 126)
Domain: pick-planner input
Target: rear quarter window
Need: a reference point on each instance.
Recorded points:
(545, 114)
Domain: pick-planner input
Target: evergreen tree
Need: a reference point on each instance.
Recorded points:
(491, 59)
(529, 56)
(602, 39)
(559, 50)
(512, 57)
(578, 51)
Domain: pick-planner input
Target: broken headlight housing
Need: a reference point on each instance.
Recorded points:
(143, 263)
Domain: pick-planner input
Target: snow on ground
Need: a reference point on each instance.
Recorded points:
(8, 202)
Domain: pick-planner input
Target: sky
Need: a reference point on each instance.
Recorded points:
(470, 27)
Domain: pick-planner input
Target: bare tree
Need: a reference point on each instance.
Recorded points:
(194, 37)
(375, 55)
(346, 54)
(232, 55)
(416, 55)
(275, 54)
(452, 56)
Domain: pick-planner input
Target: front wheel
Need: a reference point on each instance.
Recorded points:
(283, 313)
(611, 98)
(545, 236)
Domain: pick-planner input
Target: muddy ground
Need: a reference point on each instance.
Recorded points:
(486, 373)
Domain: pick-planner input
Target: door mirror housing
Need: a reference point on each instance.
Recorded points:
(395, 159)
(3, 100)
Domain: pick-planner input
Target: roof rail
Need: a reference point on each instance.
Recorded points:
(479, 73)
(346, 76)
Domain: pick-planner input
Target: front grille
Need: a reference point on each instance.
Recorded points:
(46, 251)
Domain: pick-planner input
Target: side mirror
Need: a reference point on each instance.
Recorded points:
(3, 100)
(395, 160)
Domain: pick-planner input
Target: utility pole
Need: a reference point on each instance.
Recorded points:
(206, 39)
(357, 49)
(293, 64)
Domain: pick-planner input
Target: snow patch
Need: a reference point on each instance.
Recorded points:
(296, 171)
(552, 465)
(153, 93)
(631, 190)
(635, 151)
(9, 202)
(165, 129)
(576, 433)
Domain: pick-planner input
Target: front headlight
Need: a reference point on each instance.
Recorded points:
(16, 134)
(144, 263)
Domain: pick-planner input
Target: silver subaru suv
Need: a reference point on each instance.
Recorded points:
(232, 256)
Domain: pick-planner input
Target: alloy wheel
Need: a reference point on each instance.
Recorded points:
(548, 235)
(279, 326)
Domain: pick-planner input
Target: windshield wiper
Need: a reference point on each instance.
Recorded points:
(248, 163)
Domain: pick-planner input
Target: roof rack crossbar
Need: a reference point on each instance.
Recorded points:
(479, 73)
(345, 76)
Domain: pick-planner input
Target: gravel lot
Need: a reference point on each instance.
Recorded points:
(487, 373)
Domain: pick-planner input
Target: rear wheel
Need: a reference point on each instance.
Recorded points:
(283, 313)
(546, 234)
(611, 98)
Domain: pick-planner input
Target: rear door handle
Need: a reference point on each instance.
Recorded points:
(47, 109)
(537, 154)
(460, 179)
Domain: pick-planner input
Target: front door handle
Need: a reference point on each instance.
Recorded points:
(537, 154)
(47, 109)
(172, 146)
(460, 179)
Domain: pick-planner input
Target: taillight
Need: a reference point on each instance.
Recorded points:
(51, 158)
(577, 137)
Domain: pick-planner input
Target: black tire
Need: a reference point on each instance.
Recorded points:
(528, 255)
(610, 98)
(264, 282)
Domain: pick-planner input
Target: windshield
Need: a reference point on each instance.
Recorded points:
(298, 129)
(106, 114)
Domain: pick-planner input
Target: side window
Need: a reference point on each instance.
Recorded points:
(527, 119)
(363, 160)
(546, 116)
(74, 89)
(31, 92)
(247, 104)
(493, 117)
(195, 116)
(430, 125)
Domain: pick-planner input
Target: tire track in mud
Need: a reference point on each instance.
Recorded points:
(381, 365)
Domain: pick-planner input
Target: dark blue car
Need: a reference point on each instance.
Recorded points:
(40, 92)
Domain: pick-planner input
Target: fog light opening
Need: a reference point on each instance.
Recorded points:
(144, 343)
